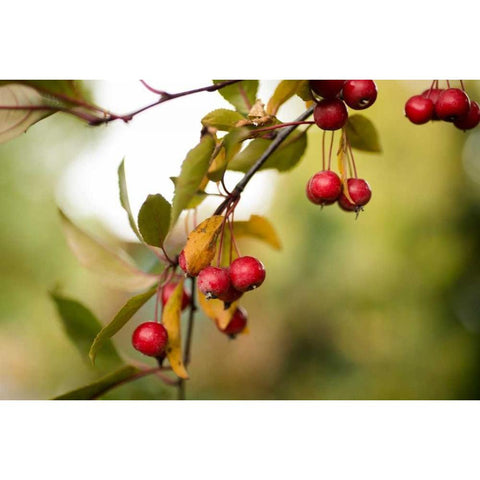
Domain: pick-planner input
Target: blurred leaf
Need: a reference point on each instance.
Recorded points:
(200, 194)
(214, 309)
(171, 321)
(154, 219)
(241, 95)
(119, 321)
(15, 122)
(68, 88)
(200, 247)
(283, 159)
(303, 90)
(285, 90)
(193, 171)
(116, 269)
(101, 386)
(231, 145)
(257, 227)
(342, 159)
(222, 119)
(122, 185)
(362, 134)
(81, 326)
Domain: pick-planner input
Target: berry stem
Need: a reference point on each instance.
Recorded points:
(330, 150)
(282, 125)
(323, 150)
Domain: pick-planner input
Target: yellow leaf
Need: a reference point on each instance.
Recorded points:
(200, 246)
(257, 227)
(285, 90)
(214, 309)
(171, 321)
(342, 166)
(245, 331)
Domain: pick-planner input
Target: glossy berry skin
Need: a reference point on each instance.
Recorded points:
(246, 273)
(182, 263)
(359, 94)
(433, 95)
(324, 187)
(167, 291)
(237, 324)
(330, 114)
(359, 191)
(345, 204)
(150, 338)
(452, 104)
(419, 109)
(214, 282)
(230, 296)
(327, 88)
(471, 119)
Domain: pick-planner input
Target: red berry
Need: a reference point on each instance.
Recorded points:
(150, 338)
(452, 104)
(237, 324)
(324, 187)
(246, 273)
(419, 109)
(471, 119)
(360, 193)
(182, 262)
(327, 88)
(230, 296)
(167, 291)
(330, 114)
(433, 95)
(345, 204)
(214, 282)
(359, 94)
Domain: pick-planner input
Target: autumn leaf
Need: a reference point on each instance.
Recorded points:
(215, 310)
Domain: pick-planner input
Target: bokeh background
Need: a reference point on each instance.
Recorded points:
(383, 307)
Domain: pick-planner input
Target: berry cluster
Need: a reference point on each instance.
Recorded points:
(330, 113)
(150, 338)
(228, 284)
(450, 105)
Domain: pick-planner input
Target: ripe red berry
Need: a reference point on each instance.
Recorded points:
(167, 291)
(246, 273)
(345, 204)
(182, 262)
(452, 104)
(237, 324)
(324, 187)
(359, 94)
(214, 282)
(230, 296)
(471, 119)
(150, 338)
(327, 88)
(360, 193)
(419, 109)
(433, 95)
(330, 114)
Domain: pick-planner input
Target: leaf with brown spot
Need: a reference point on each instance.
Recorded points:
(171, 321)
(215, 310)
(201, 244)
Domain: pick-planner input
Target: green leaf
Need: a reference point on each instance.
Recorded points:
(193, 170)
(362, 134)
(116, 269)
(69, 88)
(283, 159)
(303, 90)
(100, 386)
(231, 145)
(16, 122)
(241, 95)
(122, 185)
(154, 219)
(198, 198)
(257, 227)
(285, 90)
(119, 321)
(81, 326)
(222, 119)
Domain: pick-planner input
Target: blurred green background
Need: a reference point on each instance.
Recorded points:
(383, 307)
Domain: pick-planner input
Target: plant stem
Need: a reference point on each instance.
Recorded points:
(236, 192)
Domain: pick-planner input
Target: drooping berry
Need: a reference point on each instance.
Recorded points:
(433, 95)
(214, 282)
(150, 338)
(324, 187)
(330, 114)
(345, 204)
(452, 104)
(471, 119)
(246, 273)
(359, 94)
(419, 109)
(182, 262)
(359, 192)
(237, 324)
(230, 296)
(167, 291)
(327, 88)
